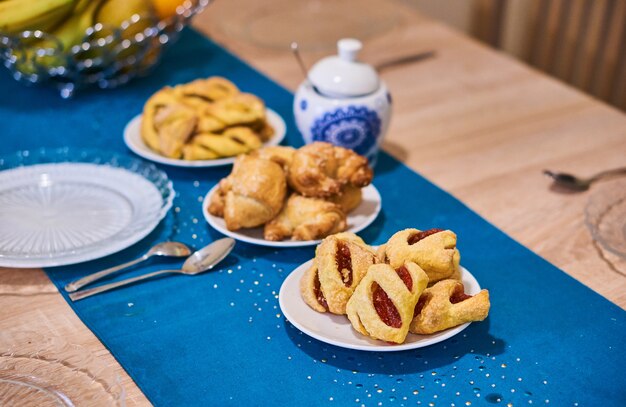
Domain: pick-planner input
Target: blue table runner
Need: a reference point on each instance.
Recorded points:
(221, 339)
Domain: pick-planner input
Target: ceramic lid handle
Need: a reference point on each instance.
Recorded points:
(348, 48)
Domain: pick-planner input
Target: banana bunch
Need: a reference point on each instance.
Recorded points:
(19, 15)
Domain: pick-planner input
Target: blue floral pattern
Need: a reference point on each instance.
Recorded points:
(355, 127)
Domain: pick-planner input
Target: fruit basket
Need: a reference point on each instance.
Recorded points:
(72, 44)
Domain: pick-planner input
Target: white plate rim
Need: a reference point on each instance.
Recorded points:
(293, 282)
(133, 140)
(97, 252)
(212, 220)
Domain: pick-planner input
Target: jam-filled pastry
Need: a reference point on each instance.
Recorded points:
(341, 261)
(349, 198)
(445, 305)
(434, 250)
(252, 194)
(320, 170)
(305, 218)
(383, 303)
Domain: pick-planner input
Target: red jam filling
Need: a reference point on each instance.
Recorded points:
(385, 309)
(459, 295)
(420, 304)
(344, 262)
(318, 292)
(405, 276)
(416, 237)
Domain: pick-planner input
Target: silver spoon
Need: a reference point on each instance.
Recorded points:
(199, 262)
(169, 249)
(575, 183)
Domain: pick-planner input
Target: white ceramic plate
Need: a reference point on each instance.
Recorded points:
(133, 140)
(65, 213)
(337, 330)
(358, 219)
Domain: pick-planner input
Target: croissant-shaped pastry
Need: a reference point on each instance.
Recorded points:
(306, 219)
(382, 305)
(281, 155)
(349, 198)
(251, 195)
(341, 261)
(445, 305)
(433, 250)
(320, 170)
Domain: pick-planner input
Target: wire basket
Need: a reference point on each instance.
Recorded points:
(107, 56)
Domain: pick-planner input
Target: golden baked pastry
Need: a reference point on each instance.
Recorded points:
(242, 108)
(349, 198)
(204, 119)
(383, 303)
(321, 169)
(341, 261)
(281, 155)
(233, 141)
(433, 250)
(445, 305)
(203, 92)
(251, 195)
(305, 218)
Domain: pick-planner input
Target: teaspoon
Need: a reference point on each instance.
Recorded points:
(575, 183)
(199, 262)
(168, 249)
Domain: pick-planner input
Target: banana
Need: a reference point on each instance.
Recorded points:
(20, 15)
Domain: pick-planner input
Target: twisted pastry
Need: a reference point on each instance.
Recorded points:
(433, 250)
(383, 303)
(320, 170)
(233, 141)
(306, 219)
(445, 305)
(341, 261)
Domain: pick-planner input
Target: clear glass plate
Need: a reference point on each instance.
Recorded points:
(47, 371)
(67, 206)
(605, 215)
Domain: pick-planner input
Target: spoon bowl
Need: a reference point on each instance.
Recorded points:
(574, 183)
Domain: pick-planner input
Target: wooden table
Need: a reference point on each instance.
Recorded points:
(475, 122)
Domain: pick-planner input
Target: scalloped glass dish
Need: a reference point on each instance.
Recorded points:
(67, 206)
(605, 216)
(47, 371)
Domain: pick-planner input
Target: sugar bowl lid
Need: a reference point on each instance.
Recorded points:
(342, 75)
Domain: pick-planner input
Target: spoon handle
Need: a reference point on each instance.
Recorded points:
(81, 282)
(107, 287)
(609, 173)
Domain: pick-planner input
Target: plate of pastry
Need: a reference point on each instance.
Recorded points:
(204, 123)
(409, 293)
(285, 197)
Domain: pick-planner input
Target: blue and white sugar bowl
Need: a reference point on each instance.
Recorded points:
(344, 102)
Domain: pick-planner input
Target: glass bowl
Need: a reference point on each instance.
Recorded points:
(605, 216)
(107, 56)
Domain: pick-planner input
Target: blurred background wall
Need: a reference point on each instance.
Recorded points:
(582, 42)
